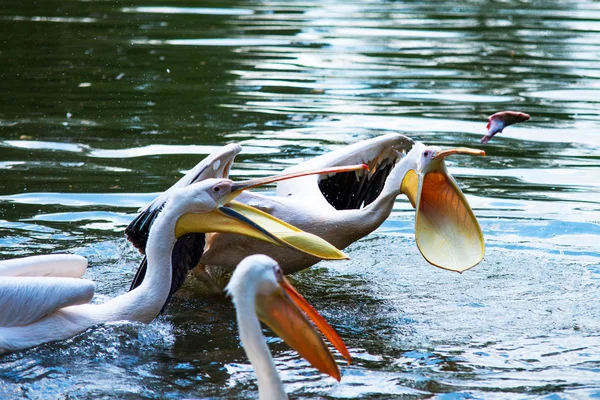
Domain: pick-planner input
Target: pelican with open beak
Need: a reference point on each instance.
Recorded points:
(446, 230)
(260, 292)
(43, 299)
(231, 216)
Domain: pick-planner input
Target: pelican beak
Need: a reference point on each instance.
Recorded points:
(238, 187)
(234, 217)
(459, 150)
(281, 312)
(446, 230)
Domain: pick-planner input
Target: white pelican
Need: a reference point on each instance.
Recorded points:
(42, 298)
(341, 207)
(260, 291)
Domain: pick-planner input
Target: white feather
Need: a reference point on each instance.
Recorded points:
(65, 265)
(24, 300)
(215, 165)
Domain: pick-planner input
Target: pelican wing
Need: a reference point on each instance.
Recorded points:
(59, 265)
(349, 190)
(185, 256)
(189, 248)
(215, 165)
(24, 300)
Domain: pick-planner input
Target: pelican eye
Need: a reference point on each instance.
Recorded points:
(426, 153)
(216, 189)
(278, 273)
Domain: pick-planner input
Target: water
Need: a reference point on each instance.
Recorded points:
(106, 104)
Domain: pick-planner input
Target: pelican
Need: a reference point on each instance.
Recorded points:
(43, 299)
(342, 207)
(260, 292)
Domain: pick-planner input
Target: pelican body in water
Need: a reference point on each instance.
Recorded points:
(341, 207)
(260, 292)
(42, 298)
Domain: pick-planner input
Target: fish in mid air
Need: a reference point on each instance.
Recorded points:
(501, 120)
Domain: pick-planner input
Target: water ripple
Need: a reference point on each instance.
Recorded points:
(189, 10)
(113, 107)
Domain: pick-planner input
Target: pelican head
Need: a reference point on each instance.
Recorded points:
(258, 287)
(446, 230)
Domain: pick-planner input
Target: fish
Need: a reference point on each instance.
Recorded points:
(500, 120)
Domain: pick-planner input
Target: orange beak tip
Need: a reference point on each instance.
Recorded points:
(365, 166)
(337, 375)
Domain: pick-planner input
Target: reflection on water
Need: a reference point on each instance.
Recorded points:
(106, 105)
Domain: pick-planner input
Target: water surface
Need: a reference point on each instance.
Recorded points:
(107, 104)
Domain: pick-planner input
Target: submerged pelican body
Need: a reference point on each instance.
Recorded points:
(43, 299)
(260, 292)
(342, 207)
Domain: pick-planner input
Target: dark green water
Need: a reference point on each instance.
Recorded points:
(105, 104)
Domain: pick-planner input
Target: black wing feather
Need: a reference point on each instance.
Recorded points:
(140, 274)
(344, 191)
(186, 254)
(138, 230)
(376, 183)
